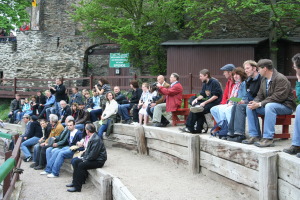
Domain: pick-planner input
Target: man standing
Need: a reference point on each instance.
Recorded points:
(275, 97)
(295, 148)
(227, 72)
(173, 95)
(159, 106)
(93, 157)
(59, 90)
(55, 159)
(210, 95)
(236, 127)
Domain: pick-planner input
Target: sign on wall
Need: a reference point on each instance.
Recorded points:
(119, 60)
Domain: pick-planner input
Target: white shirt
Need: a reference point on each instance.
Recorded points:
(72, 134)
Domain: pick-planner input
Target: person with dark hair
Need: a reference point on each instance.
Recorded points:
(94, 157)
(76, 96)
(120, 98)
(210, 95)
(56, 158)
(32, 137)
(238, 91)
(88, 101)
(83, 117)
(275, 97)
(15, 107)
(59, 90)
(105, 86)
(295, 147)
(134, 100)
(236, 127)
(108, 116)
(41, 100)
(47, 106)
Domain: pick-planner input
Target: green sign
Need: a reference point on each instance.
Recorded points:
(119, 60)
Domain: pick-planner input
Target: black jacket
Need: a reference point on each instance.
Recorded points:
(252, 87)
(82, 117)
(136, 95)
(15, 105)
(35, 130)
(120, 98)
(60, 93)
(212, 88)
(65, 113)
(95, 150)
(41, 99)
(47, 131)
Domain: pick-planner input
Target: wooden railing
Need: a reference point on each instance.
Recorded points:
(10, 169)
(28, 87)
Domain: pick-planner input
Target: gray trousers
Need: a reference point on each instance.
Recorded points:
(238, 120)
(157, 113)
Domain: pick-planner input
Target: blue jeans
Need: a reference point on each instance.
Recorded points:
(57, 159)
(57, 109)
(123, 111)
(94, 114)
(271, 110)
(27, 143)
(49, 111)
(79, 127)
(221, 112)
(14, 115)
(102, 129)
(35, 152)
(238, 120)
(296, 135)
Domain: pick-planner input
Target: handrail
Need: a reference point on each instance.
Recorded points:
(6, 168)
(5, 135)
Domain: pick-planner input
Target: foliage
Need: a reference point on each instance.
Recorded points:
(139, 26)
(13, 13)
(4, 108)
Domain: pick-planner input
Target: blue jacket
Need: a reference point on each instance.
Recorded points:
(50, 101)
(242, 93)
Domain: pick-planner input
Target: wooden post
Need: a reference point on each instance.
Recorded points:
(191, 83)
(268, 176)
(194, 154)
(141, 140)
(15, 86)
(106, 187)
(91, 82)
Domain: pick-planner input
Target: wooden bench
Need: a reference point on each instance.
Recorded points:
(184, 110)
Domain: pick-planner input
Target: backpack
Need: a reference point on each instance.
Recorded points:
(221, 129)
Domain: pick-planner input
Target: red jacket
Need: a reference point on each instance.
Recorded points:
(173, 96)
(227, 91)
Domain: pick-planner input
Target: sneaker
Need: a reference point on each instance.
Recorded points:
(128, 121)
(28, 159)
(33, 165)
(185, 129)
(236, 138)
(44, 173)
(51, 176)
(160, 124)
(39, 167)
(251, 140)
(265, 143)
(197, 109)
(292, 150)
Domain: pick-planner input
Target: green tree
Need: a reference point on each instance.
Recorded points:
(13, 13)
(138, 26)
(274, 18)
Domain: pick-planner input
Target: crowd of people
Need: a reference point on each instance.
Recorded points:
(61, 127)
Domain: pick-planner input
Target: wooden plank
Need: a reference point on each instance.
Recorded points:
(172, 149)
(121, 138)
(103, 182)
(167, 135)
(230, 170)
(246, 155)
(287, 191)
(288, 168)
(268, 176)
(167, 158)
(124, 129)
(244, 191)
(141, 140)
(120, 192)
(193, 154)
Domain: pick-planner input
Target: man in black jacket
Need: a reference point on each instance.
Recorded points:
(120, 98)
(41, 100)
(31, 137)
(124, 108)
(15, 106)
(59, 90)
(93, 157)
(65, 111)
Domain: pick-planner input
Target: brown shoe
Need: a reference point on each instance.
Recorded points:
(251, 140)
(292, 150)
(265, 143)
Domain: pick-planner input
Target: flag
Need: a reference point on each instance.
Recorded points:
(33, 3)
